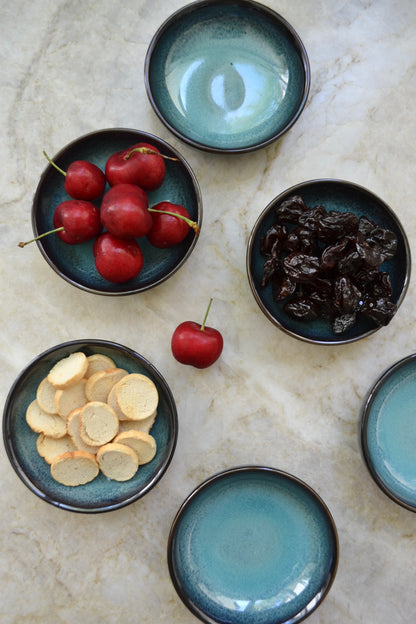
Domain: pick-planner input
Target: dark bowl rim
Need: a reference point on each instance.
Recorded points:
(265, 10)
(169, 452)
(149, 137)
(362, 428)
(260, 469)
(297, 188)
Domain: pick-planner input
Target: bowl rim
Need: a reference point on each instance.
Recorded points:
(248, 468)
(9, 446)
(297, 188)
(147, 137)
(362, 428)
(264, 10)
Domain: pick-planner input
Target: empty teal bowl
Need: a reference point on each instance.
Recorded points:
(227, 76)
(75, 263)
(388, 432)
(253, 545)
(101, 494)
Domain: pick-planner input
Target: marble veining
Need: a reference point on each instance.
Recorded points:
(70, 67)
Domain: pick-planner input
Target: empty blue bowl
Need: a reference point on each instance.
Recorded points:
(227, 76)
(101, 494)
(388, 432)
(75, 263)
(333, 195)
(252, 545)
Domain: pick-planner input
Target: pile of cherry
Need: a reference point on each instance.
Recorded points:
(124, 214)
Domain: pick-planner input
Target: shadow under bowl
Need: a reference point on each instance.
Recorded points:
(227, 76)
(101, 494)
(253, 545)
(75, 263)
(340, 196)
(388, 432)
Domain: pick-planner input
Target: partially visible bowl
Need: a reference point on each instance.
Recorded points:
(75, 263)
(388, 432)
(253, 545)
(340, 196)
(227, 76)
(101, 494)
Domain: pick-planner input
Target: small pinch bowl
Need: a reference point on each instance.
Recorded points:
(101, 494)
(227, 76)
(75, 263)
(252, 545)
(388, 433)
(340, 196)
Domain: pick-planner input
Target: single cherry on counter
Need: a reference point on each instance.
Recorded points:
(197, 345)
(83, 179)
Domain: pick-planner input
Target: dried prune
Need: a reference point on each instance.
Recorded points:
(327, 265)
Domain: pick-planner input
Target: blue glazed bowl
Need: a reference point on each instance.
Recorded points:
(75, 263)
(388, 432)
(101, 494)
(340, 196)
(252, 545)
(227, 76)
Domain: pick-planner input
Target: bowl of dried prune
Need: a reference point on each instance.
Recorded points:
(328, 262)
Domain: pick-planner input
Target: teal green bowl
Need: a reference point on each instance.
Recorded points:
(101, 494)
(340, 196)
(227, 76)
(75, 263)
(388, 432)
(253, 545)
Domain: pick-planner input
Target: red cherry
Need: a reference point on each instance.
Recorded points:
(83, 179)
(167, 230)
(140, 164)
(75, 221)
(117, 260)
(124, 211)
(195, 344)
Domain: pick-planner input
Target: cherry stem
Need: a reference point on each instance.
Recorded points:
(147, 150)
(206, 315)
(54, 164)
(191, 223)
(60, 229)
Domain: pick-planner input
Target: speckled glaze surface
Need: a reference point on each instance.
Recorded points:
(227, 76)
(252, 545)
(342, 196)
(75, 263)
(388, 432)
(101, 494)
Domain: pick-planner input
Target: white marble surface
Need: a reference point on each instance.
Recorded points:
(70, 67)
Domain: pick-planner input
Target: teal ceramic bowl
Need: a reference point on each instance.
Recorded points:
(253, 545)
(388, 432)
(227, 76)
(334, 195)
(75, 263)
(101, 494)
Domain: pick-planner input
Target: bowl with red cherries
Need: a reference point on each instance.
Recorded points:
(116, 212)
(328, 262)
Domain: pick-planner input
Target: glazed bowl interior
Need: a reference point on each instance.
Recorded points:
(101, 494)
(253, 545)
(387, 432)
(227, 76)
(75, 263)
(333, 195)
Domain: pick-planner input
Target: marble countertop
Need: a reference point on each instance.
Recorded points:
(70, 67)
